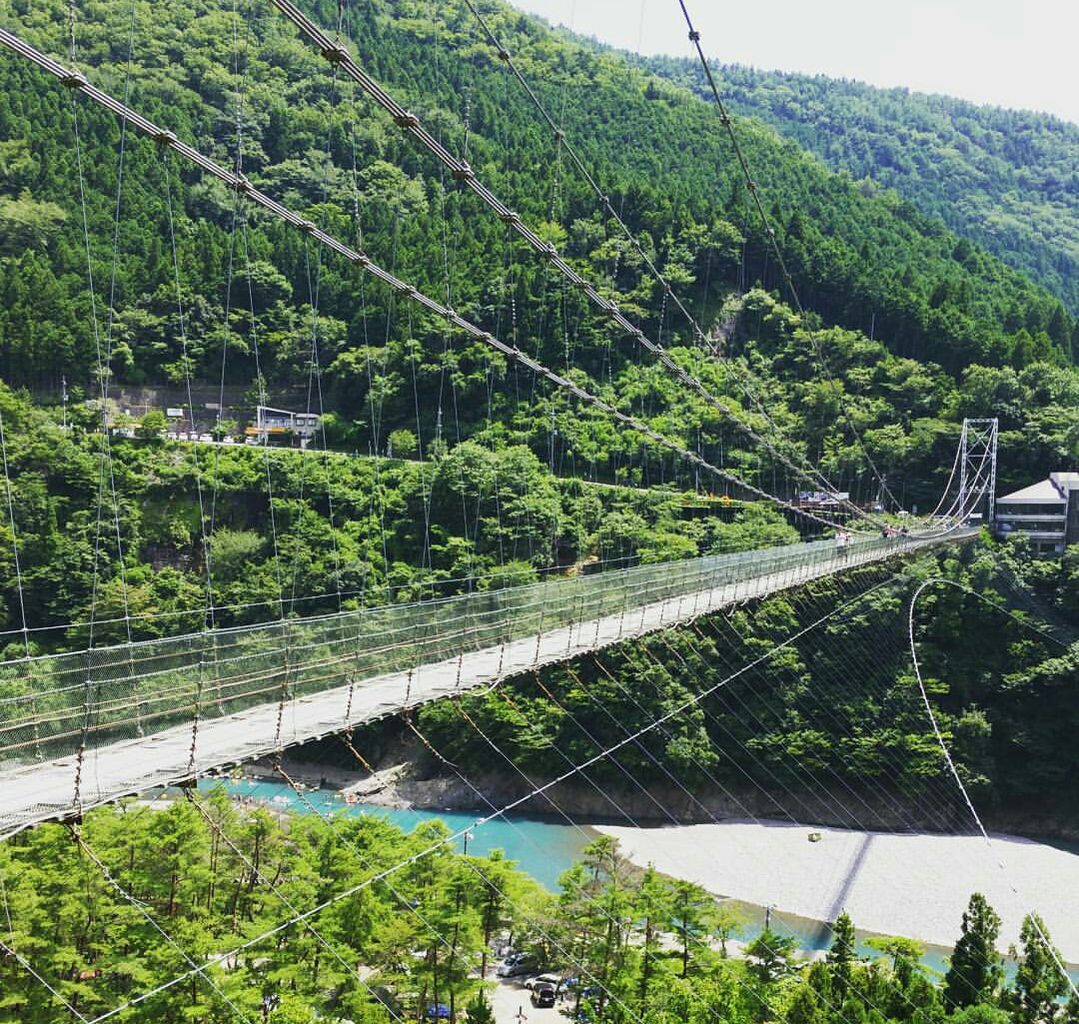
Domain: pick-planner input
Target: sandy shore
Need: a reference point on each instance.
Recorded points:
(913, 885)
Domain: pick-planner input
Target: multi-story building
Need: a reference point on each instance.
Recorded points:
(281, 423)
(1046, 513)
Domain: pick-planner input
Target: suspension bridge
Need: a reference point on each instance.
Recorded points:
(86, 728)
(133, 717)
(79, 729)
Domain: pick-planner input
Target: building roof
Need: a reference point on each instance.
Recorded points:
(1043, 492)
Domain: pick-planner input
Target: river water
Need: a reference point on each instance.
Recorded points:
(542, 848)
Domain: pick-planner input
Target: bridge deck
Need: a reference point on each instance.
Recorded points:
(338, 672)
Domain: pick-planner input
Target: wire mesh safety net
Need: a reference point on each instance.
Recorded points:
(128, 710)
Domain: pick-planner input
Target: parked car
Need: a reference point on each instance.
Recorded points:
(543, 979)
(543, 994)
(586, 992)
(515, 965)
(438, 1011)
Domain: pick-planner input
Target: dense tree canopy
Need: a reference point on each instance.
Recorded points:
(1007, 180)
(216, 878)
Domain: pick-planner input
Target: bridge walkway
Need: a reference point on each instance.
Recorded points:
(134, 705)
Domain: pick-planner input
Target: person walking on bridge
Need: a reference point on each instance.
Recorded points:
(842, 543)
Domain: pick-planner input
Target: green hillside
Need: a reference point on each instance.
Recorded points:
(858, 258)
(953, 338)
(1005, 179)
(454, 470)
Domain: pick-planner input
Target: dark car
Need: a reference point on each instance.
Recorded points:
(543, 994)
(438, 1011)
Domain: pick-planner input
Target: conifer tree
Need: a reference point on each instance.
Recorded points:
(479, 1011)
(1039, 982)
(842, 954)
(975, 970)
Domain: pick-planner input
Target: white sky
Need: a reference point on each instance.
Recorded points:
(1013, 53)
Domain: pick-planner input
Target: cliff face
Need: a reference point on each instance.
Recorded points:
(407, 777)
(660, 802)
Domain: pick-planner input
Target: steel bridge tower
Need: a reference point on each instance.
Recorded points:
(978, 467)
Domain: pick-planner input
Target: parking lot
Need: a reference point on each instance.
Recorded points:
(511, 998)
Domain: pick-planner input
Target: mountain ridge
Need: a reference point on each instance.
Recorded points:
(1007, 179)
(1031, 217)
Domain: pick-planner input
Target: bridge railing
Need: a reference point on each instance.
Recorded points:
(50, 706)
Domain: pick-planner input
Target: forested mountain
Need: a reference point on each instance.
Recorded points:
(456, 470)
(1007, 180)
(858, 259)
(954, 336)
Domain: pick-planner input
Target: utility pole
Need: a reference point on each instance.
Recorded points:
(63, 397)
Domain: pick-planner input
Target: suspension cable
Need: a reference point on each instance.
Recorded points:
(609, 210)
(140, 908)
(29, 968)
(14, 539)
(238, 181)
(770, 235)
(275, 888)
(339, 56)
(512, 805)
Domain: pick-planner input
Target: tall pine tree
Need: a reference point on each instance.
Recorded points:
(975, 970)
(842, 954)
(1039, 981)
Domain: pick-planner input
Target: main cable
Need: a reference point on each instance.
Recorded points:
(770, 234)
(338, 55)
(238, 181)
(608, 209)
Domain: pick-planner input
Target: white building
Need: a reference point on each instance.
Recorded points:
(279, 422)
(1046, 513)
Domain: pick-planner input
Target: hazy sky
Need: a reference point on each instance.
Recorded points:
(1013, 53)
